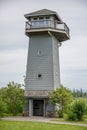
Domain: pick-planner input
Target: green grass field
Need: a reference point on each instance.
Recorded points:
(21, 125)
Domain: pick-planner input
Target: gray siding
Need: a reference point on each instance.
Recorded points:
(40, 63)
(56, 68)
(49, 107)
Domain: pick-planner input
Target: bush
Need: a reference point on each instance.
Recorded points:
(76, 110)
(60, 113)
(3, 108)
(70, 116)
(79, 108)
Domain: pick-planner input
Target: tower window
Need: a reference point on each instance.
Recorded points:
(39, 75)
(39, 53)
(35, 18)
(41, 18)
(47, 17)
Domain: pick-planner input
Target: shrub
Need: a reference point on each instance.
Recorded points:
(60, 113)
(79, 108)
(69, 115)
(76, 110)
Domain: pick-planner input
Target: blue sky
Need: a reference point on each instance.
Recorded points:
(14, 43)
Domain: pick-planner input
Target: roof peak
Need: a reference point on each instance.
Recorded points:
(41, 13)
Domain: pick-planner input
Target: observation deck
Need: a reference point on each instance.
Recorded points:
(56, 28)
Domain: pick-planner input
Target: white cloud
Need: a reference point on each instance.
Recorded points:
(14, 44)
(12, 65)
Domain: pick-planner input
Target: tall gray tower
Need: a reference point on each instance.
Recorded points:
(46, 31)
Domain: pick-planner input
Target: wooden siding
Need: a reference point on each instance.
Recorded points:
(56, 68)
(43, 58)
(39, 64)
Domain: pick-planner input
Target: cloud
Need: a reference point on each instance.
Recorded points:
(14, 44)
(12, 56)
(74, 78)
(12, 66)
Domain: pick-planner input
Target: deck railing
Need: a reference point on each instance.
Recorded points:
(36, 24)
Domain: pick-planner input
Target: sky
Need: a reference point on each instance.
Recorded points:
(14, 43)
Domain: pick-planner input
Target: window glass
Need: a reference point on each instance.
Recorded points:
(34, 18)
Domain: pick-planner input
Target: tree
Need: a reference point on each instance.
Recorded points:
(14, 98)
(79, 93)
(3, 105)
(61, 96)
(11, 99)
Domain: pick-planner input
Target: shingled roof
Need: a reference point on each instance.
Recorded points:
(43, 12)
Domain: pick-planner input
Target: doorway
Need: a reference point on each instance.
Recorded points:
(38, 106)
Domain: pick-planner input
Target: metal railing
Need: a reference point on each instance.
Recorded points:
(36, 24)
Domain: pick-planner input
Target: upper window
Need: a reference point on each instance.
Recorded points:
(41, 18)
(34, 18)
(47, 17)
(39, 53)
(34, 23)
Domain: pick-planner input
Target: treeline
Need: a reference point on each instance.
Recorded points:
(79, 93)
(11, 99)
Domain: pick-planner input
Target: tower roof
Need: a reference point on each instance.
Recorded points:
(43, 12)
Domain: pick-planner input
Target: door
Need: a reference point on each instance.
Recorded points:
(38, 107)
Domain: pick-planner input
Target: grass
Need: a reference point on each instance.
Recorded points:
(21, 125)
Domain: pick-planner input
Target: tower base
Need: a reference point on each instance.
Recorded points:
(38, 105)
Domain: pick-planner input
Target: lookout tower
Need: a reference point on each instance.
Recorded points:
(46, 31)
